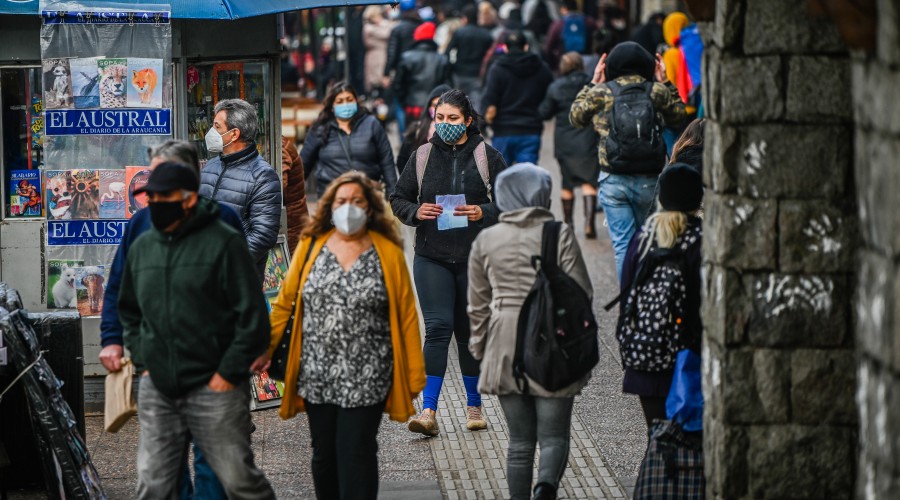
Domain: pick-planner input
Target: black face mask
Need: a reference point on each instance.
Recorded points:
(165, 213)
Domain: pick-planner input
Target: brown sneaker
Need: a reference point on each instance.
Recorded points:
(426, 424)
(474, 419)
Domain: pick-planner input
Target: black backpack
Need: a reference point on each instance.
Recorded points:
(557, 333)
(651, 327)
(635, 142)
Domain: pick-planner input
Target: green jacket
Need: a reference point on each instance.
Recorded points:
(191, 304)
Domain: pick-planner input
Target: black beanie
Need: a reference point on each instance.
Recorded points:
(680, 188)
(629, 58)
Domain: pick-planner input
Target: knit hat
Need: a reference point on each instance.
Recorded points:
(629, 58)
(425, 31)
(680, 188)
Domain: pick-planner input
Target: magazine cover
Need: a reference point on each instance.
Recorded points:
(113, 84)
(61, 291)
(85, 82)
(276, 269)
(145, 77)
(85, 191)
(37, 132)
(89, 288)
(112, 194)
(135, 178)
(57, 77)
(58, 194)
(25, 193)
(266, 392)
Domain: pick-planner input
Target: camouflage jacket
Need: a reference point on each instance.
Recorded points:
(594, 103)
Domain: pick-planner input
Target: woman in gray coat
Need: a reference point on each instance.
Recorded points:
(500, 276)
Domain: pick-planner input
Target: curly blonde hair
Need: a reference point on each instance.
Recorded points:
(381, 221)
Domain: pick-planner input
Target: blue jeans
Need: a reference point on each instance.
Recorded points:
(626, 200)
(518, 148)
(206, 485)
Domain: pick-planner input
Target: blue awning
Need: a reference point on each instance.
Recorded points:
(204, 9)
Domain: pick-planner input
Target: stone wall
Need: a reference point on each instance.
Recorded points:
(876, 106)
(780, 238)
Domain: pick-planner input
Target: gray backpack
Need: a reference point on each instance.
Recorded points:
(481, 162)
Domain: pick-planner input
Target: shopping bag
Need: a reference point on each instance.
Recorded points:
(684, 404)
(672, 468)
(120, 404)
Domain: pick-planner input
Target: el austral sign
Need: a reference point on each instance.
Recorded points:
(85, 232)
(108, 122)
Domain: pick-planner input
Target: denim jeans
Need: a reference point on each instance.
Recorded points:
(219, 423)
(533, 420)
(345, 450)
(518, 148)
(626, 200)
(206, 485)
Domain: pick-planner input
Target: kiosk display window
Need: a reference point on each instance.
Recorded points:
(22, 126)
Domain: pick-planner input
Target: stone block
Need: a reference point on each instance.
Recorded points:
(725, 308)
(798, 310)
(725, 459)
(756, 386)
(877, 185)
(878, 402)
(876, 97)
(726, 27)
(740, 232)
(712, 355)
(818, 89)
(721, 154)
(794, 461)
(823, 385)
(876, 479)
(712, 56)
(815, 236)
(794, 161)
(889, 32)
(750, 89)
(784, 26)
(874, 306)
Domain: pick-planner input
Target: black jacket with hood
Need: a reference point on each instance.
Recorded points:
(516, 84)
(471, 43)
(401, 40)
(420, 69)
(568, 141)
(450, 170)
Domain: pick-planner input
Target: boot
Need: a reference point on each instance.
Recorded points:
(544, 491)
(590, 208)
(568, 207)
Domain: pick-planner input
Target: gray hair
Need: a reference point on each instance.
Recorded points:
(179, 151)
(241, 115)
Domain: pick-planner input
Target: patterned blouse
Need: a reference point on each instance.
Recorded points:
(347, 357)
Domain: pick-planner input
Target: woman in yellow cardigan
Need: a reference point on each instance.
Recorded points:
(359, 350)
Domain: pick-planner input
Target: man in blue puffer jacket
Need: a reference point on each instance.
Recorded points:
(241, 179)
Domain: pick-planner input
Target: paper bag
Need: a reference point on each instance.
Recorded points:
(120, 405)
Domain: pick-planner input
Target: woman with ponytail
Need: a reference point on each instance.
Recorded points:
(675, 225)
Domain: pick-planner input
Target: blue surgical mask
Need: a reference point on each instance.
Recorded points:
(450, 132)
(345, 111)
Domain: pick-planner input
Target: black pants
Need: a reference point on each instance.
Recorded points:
(442, 289)
(345, 451)
(654, 407)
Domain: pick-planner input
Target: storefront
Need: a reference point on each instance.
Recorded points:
(197, 62)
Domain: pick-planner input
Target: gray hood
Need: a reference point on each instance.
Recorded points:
(523, 185)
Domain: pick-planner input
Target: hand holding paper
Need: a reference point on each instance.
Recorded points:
(449, 218)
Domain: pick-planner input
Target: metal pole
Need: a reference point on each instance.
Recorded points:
(346, 44)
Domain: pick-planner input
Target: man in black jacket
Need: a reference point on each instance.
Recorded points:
(421, 69)
(514, 88)
(400, 41)
(466, 50)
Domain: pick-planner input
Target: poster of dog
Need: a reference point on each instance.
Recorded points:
(61, 284)
(84, 185)
(58, 194)
(145, 79)
(57, 78)
(85, 82)
(112, 194)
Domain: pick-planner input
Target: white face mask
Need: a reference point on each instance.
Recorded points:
(349, 219)
(214, 143)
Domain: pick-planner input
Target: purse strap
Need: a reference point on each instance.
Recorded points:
(312, 243)
(346, 150)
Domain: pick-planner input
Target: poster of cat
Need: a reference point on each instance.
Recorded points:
(85, 82)
(61, 287)
(113, 82)
(145, 80)
(25, 193)
(57, 78)
(58, 194)
(112, 194)
(135, 178)
(89, 289)
(84, 186)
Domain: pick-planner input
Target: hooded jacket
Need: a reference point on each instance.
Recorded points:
(471, 43)
(400, 40)
(191, 305)
(450, 170)
(245, 182)
(420, 69)
(568, 141)
(516, 84)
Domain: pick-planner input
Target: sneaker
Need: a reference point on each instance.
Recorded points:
(474, 419)
(426, 424)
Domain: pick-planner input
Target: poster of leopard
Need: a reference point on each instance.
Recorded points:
(113, 82)
(57, 84)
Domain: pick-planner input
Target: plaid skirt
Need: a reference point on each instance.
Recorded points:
(673, 466)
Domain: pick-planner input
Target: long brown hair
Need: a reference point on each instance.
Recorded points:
(381, 221)
(322, 124)
(692, 136)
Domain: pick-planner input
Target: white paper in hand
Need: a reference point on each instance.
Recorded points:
(447, 220)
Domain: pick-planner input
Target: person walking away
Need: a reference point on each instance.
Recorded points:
(400, 41)
(376, 33)
(205, 484)
(355, 345)
(194, 271)
(538, 16)
(466, 51)
(347, 137)
(241, 179)
(456, 161)
(516, 84)
(675, 226)
(500, 277)
(650, 34)
(628, 109)
(421, 130)
(294, 186)
(571, 33)
(421, 69)
(573, 147)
